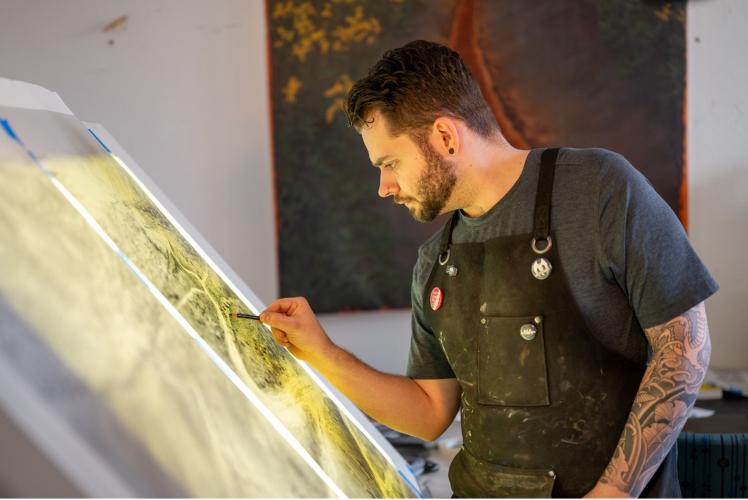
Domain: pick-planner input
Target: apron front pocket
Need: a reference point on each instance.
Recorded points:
(474, 478)
(511, 362)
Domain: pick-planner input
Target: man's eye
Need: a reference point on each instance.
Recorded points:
(390, 165)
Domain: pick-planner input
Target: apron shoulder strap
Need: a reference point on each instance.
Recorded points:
(447, 237)
(542, 225)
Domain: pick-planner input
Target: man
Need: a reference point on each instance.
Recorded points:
(561, 308)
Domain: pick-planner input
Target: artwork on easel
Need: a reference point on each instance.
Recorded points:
(140, 360)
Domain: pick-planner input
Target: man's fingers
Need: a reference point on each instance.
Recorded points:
(279, 335)
(286, 316)
(278, 320)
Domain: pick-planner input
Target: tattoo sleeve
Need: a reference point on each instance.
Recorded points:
(680, 356)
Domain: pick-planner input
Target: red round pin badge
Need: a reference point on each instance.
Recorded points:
(436, 298)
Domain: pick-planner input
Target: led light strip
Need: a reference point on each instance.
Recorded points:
(312, 374)
(212, 355)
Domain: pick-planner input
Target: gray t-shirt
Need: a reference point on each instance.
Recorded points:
(627, 259)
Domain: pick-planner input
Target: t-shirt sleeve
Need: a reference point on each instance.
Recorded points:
(644, 248)
(426, 359)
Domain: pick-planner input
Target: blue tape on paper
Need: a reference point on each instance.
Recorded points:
(413, 487)
(5, 124)
(9, 130)
(101, 143)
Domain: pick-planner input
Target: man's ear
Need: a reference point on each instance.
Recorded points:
(446, 135)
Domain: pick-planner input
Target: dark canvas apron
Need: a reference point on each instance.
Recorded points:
(543, 401)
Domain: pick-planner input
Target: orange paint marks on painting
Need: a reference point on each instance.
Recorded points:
(291, 89)
(338, 92)
(309, 27)
(683, 198)
(464, 40)
(273, 159)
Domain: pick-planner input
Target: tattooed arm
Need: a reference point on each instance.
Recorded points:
(680, 356)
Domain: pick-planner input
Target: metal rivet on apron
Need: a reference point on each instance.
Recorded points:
(528, 331)
(541, 268)
(483, 321)
(538, 320)
(452, 270)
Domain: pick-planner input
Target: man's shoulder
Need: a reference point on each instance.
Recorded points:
(608, 164)
(601, 158)
(605, 175)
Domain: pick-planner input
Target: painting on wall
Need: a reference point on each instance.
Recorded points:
(576, 73)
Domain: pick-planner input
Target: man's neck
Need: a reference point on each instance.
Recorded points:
(494, 169)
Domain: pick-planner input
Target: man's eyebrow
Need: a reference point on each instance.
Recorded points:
(381, 160)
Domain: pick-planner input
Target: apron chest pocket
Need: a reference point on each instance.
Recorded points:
(511, 362)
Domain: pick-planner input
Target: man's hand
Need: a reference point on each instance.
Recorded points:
(295, 326)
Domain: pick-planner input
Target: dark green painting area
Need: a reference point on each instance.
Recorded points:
(577, 73)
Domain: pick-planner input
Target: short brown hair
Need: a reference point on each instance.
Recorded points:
(415, 84)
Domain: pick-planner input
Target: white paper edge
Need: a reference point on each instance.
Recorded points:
(18, 94)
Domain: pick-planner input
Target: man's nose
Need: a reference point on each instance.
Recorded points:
(387, 185)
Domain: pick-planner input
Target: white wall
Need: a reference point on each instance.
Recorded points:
(183, 87)
(184, 90)
(718, 165)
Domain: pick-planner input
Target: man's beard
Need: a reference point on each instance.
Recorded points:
(435, 185)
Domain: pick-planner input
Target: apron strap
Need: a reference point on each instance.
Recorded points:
(447, 237)
(542, 225)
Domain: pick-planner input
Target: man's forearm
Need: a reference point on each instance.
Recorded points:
(393, 400)
(421, 408)
(681, 350)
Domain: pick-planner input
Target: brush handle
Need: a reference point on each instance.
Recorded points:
(246, 316)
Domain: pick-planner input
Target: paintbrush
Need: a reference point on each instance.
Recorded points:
(245, 316)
